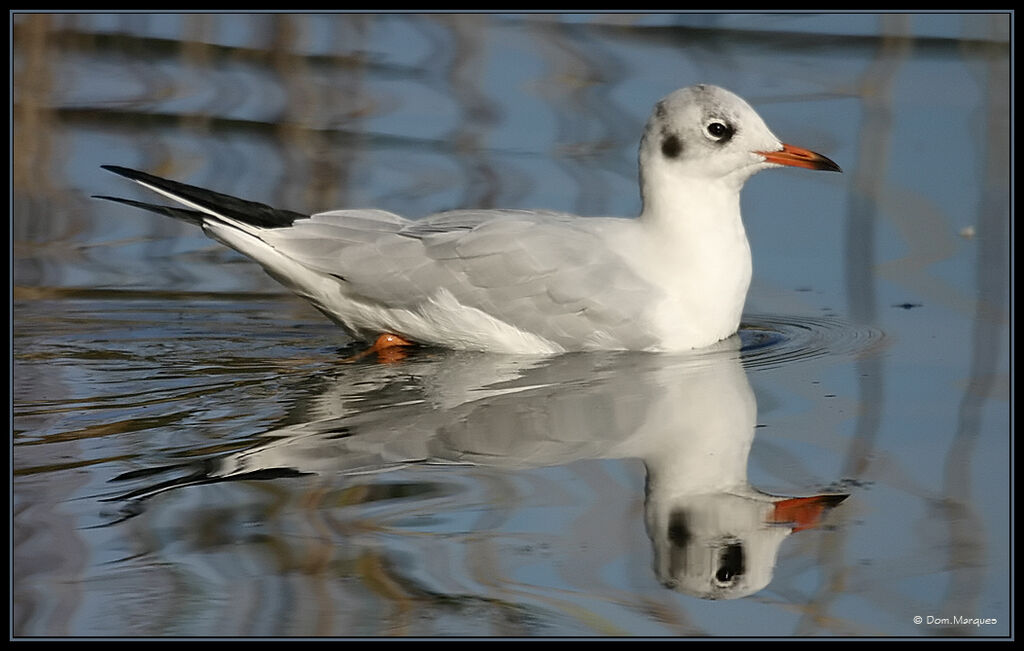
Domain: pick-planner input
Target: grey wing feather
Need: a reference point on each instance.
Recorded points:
(463, 220)
(546, 273)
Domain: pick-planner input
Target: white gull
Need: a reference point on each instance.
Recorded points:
(525, 281)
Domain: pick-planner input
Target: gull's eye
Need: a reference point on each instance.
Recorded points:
(719, 131)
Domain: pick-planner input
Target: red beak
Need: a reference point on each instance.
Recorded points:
(804, 512)
(799, 157)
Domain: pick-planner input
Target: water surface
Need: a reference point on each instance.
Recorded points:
(197, 453)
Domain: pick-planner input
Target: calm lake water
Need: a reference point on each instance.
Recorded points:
(196, 452)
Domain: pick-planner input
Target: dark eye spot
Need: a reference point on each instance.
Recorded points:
(720, 131)
(678, 532)
(730, 564)
(671, 147)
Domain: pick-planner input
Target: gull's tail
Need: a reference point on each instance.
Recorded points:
(203, 205)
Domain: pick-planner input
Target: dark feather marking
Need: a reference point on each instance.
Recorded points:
(671, 145)
(249, 212)
(184, 214)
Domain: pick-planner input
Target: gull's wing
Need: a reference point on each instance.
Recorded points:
(550, 274)
(553, 275)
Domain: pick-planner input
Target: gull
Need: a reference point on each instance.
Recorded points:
(531, 281)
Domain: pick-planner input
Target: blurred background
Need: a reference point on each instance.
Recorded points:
(136, 339)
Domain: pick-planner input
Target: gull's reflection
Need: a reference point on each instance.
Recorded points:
(690, 419)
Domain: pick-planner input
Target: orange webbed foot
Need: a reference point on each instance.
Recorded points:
(388, 348)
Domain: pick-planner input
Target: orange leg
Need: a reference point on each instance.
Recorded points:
(388, 348)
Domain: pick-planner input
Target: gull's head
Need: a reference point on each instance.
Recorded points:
(706, 133)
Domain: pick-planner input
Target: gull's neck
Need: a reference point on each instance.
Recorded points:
(688, 204)
(700, 254)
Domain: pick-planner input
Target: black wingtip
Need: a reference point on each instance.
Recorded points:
(242, 210)
(126, 172)
(184, 214)
(145, 177)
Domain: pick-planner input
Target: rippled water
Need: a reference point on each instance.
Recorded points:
(198, 453)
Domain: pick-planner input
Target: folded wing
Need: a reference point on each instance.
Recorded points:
(550, 274)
